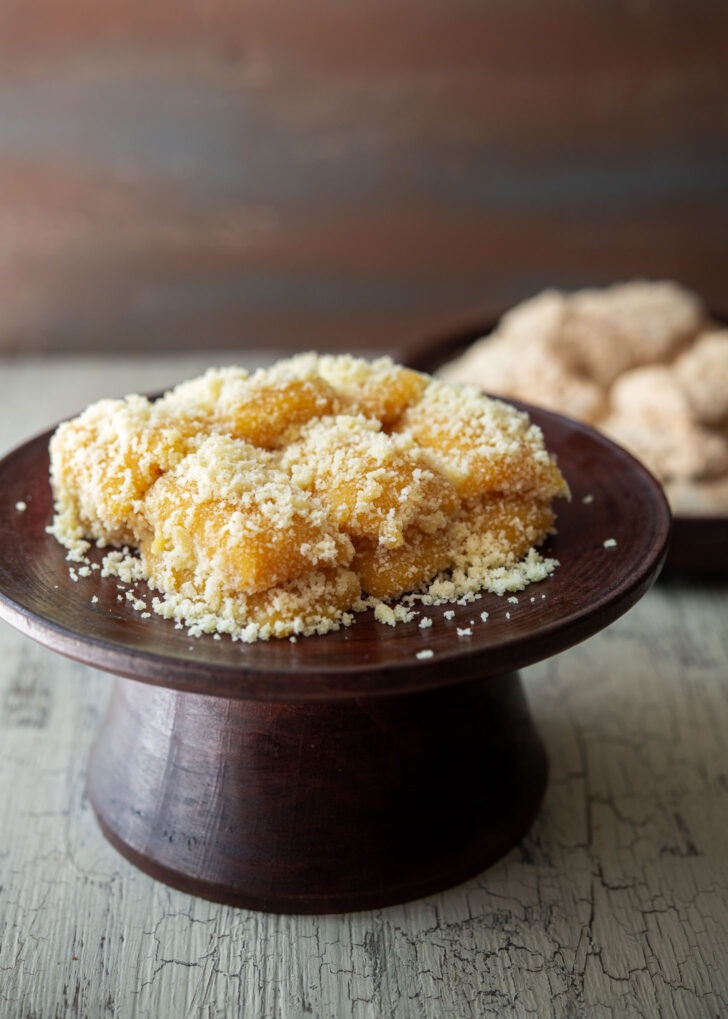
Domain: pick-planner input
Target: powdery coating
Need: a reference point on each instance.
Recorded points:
(481, 445)
(349, 464)
(283, 502)
(702, 372)
(651, 414)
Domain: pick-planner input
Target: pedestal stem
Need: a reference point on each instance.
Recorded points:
(317, 806)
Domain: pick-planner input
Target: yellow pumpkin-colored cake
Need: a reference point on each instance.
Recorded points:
(282, 502)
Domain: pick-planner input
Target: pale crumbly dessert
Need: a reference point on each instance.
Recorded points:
(280, 503)
(640, 360)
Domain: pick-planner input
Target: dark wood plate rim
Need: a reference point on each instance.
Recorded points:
(593, 586)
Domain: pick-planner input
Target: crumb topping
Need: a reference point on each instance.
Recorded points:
(283, 502)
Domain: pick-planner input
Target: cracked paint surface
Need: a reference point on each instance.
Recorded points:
(616, 903)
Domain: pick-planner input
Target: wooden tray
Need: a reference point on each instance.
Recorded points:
(337, 772)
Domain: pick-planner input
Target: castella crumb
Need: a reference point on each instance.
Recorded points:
(281, 503)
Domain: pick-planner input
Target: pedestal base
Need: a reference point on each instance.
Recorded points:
(322, 806)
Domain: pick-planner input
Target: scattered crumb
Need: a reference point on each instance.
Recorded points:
(425, 653)
(484, 616)
(587, 499)
(508, 615)
(465, 631)
(449, 614)
(610, 543)
(21, 506)
(403, 614)
(384, 613)
(425, 622)
(138, 604)
(94, 599)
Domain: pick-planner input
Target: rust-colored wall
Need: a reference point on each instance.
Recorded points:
(338, 173)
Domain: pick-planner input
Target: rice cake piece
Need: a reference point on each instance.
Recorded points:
(227, 520)
(308, 604)
(482, 445)
(609, 330)
(374, 485)
(104, 461)
(261, 411)
(702, 372)
(390, 572)
(672, 449)
(378, 389)
(496, 527)
(528, 372)
(651, 393)
(653, 418)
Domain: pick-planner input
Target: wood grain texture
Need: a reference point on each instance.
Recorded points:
(348, 174)
(616, 903)
(322, 807)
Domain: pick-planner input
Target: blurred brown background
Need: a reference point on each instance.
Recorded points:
(340, 173)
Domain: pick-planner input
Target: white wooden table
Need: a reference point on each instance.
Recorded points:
(615, 904)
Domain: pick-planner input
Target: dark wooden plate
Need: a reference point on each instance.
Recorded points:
(593, 585)
(698, 544)
(298, 786)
